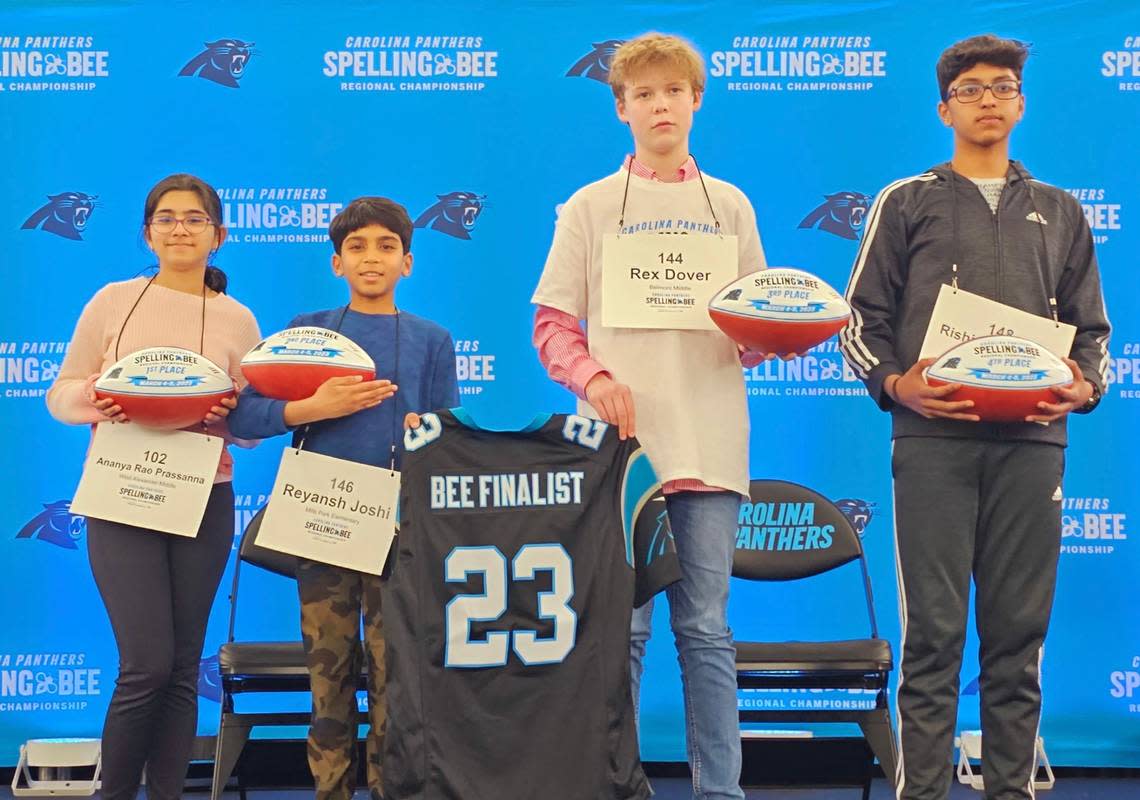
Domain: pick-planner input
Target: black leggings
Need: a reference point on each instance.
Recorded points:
(158, 590)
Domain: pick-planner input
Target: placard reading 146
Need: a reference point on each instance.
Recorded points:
(644, 286)
(331, 510)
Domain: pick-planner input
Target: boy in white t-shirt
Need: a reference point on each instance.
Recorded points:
(680, 391)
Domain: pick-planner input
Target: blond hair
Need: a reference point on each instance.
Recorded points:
(656, 49)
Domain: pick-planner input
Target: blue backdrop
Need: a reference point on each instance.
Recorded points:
(293, 113)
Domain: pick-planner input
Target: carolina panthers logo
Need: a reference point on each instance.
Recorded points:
(222, 62)
(596, 63)
(662, 535)
(210, 679)
(841, 213)
(454, 214)
(55, 525)
(858, 512)
(64, 215)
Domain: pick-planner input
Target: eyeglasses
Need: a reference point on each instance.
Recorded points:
(972, 92)
(193, 224)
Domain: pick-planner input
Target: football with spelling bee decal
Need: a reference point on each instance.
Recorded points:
(1005, 376)
(165, 387)
(779, 310)
(293, 363)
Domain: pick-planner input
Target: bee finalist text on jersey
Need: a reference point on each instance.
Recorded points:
(521, 490)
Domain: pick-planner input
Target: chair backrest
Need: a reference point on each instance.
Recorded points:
(271, 560)
(787, 531)
(249, 551)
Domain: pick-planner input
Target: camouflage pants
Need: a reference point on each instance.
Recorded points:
(332, 600)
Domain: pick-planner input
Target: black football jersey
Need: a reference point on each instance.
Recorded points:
(507, 610)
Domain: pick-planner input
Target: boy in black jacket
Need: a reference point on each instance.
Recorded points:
(973, 498)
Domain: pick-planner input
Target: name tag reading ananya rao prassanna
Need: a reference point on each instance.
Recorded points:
(153, 479)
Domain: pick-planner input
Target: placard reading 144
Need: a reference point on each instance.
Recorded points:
(648, 285)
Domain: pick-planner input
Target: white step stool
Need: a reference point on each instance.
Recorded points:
(969, 744)
(46, 764)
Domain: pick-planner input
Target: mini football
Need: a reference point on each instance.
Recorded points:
(779, 310)
(1005, 376)
(165, 387)
(291, 364)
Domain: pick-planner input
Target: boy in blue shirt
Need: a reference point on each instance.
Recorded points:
(358, 421)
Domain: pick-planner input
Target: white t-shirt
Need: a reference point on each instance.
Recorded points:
(688, 386)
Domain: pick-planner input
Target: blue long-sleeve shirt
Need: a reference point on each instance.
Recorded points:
(425, 377)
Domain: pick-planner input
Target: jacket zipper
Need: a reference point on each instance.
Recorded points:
(997, 240)
(1001, 432)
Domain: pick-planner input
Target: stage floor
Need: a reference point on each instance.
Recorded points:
(678, 789)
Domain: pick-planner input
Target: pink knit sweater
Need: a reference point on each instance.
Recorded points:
(164, 317)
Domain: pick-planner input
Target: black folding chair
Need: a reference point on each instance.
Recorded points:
(246, 667)
(863, 664)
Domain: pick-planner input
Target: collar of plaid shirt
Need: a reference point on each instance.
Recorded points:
(687, 171)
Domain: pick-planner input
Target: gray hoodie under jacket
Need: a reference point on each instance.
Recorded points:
(1034, 253)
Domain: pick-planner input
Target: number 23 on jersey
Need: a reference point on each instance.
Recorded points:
(489, 606)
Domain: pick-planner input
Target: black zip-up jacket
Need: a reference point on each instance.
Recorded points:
(917, 229)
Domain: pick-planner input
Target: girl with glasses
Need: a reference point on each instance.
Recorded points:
(158, 588)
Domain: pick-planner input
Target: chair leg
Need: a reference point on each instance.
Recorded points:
(868, 776)
(232, 736)
(876, 727)
(241, 787)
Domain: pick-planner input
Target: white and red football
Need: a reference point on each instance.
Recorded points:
(291, 364)
(165, 387)
(779, 310)
(1005, 376)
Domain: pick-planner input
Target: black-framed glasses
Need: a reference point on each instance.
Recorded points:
(972, 92)
(192, 224)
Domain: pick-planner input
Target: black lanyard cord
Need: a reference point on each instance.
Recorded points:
(1044, 244)
(1049, 295)
(395, 380)
(704, 188)
(123, 327)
